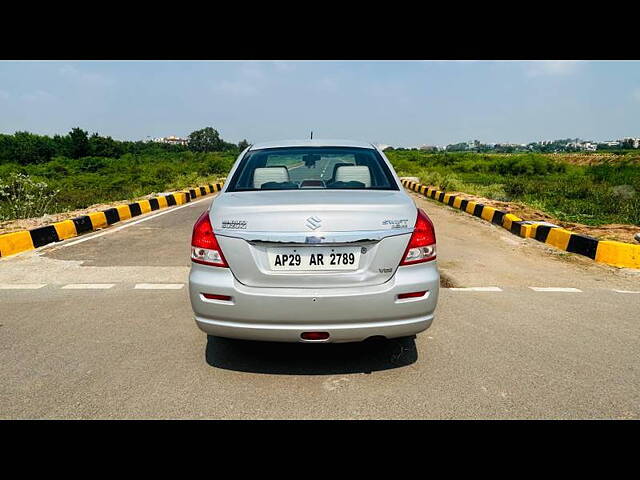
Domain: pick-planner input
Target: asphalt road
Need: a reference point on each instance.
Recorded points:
(323, 170)
(79, 340)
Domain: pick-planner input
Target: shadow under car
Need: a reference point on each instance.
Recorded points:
(373, 354)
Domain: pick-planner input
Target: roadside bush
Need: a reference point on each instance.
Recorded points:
(184, 180)
(212, 166)
(450, 182)
(623, 192)
(430, 177)
(594, 194)
(494, 191)
(91, 164)
(22, 196)
(81, 182)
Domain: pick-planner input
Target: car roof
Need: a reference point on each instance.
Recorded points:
(312, 143)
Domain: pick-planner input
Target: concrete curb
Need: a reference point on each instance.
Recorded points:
(618, 254)
(23, 240)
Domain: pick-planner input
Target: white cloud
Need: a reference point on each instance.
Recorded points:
(87, 78)
(538, 68)
(238, 87)
(327, 84)
(283, 66)
(452, 61)
(252, 70)
(38, 96)
(389, 91)
(552, 67)
(250, 79)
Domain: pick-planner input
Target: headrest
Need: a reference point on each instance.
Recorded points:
(359, 173)
(335, 168)
(269, 174)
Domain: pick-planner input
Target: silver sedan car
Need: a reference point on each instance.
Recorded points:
(313, 241)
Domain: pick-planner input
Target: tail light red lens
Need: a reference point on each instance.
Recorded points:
(422, 244)
(204, 245)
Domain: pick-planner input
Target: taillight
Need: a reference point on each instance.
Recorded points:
(422, 245)
(204, 245)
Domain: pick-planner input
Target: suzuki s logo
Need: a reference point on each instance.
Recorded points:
(313, 223)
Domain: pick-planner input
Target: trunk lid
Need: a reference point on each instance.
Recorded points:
(249, 225)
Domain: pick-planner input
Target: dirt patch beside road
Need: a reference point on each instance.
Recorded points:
(593, 158)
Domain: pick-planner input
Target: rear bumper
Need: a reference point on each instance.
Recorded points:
(291, 333)
(283, 314)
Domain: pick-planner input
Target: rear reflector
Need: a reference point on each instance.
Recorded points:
(411, 295)
(213, 296)
(315, 335)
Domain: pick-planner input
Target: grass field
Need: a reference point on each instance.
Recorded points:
(587, 189)
(68, 184)
(592, 190)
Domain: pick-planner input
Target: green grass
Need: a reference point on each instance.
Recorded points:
(590, 194)
(608, 192)
(90, 180)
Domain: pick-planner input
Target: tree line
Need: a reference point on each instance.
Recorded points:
(27, 148)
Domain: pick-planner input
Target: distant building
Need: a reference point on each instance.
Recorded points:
(428, 148)
(569, 144)
(172, 140)
(635, 141)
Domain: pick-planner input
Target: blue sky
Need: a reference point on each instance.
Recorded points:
(401, 103)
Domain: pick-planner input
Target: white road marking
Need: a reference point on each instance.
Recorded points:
(324, 169)
(89, 286)
(627, 291)
(477, 289)
(126, 225)
(555, 289)
(20, 286)
(159, 286)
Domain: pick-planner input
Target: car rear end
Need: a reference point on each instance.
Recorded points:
(313, 244)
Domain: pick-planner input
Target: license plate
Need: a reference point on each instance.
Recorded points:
(314, 258)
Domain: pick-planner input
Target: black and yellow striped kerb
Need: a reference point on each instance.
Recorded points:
(619, 254)
(16, 242)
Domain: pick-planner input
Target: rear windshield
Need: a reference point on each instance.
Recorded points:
(328, 168)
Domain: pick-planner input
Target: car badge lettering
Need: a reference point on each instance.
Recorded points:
(396, 223)
(234, 224)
